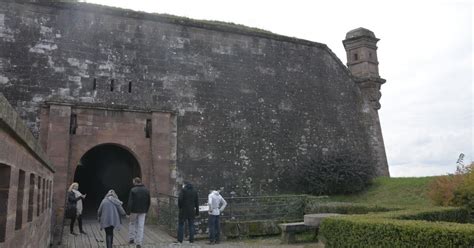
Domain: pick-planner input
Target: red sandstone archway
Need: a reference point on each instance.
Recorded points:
(105, 167)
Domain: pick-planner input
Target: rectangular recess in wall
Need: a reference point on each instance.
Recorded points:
(50, 189)
(43, 195)
(47, 195)
(73, 124)
(148, 128)
(5, 173)
(19, 200)
(31, 195)
(38, 194)
(51, 193)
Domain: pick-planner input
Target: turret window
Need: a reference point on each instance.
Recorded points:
(356, 56)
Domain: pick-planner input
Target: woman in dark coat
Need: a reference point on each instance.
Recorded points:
(109, 213)
(74, 207)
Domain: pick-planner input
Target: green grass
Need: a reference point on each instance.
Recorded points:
(403, 192)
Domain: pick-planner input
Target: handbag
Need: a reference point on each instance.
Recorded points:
(71, 212)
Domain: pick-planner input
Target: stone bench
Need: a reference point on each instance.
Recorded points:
(316, 219)
(288, 231)
(311, 222)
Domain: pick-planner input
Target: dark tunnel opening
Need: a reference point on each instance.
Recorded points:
(102, 168)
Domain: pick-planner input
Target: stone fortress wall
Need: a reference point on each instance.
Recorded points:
(247, 103)
(26, 184)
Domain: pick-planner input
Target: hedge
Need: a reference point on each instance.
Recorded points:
(399, 229)
(458, 215)
(313, 207)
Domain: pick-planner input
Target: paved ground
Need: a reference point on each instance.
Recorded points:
(155, 237)
(264, 243)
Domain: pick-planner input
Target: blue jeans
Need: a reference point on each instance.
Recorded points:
(181, 229)
(214, 228)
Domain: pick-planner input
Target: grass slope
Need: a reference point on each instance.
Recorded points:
(404, 192)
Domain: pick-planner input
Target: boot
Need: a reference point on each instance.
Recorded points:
(108, 241)
(71, 226)
(79, 220)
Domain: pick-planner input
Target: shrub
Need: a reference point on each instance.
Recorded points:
(454, 190)
(464, 193)
(334, 174)
(313, 207)
(442, 189)
(398, 229)
(457, 215)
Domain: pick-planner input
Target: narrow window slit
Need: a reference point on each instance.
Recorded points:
(148, 128)
(31, 191)
(73, 124)
(19, 200)
(38, 195)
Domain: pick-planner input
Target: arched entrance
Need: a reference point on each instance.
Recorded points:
(102, 168)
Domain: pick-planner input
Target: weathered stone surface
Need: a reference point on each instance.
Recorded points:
(362, 61)
(10, 121)
(25, 208)
(233, 229)
(247, 103)
(316, 219)
(289, 230)
(292, 227)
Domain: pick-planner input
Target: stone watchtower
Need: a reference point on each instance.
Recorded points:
(361, 49)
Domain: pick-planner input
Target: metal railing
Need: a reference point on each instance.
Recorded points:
(281, 208)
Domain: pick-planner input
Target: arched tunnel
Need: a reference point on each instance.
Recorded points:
(102, 168)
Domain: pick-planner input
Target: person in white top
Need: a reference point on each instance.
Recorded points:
(216, 204)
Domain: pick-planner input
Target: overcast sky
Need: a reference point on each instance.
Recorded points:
(425, 54)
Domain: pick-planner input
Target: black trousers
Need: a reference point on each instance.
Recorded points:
(79, 221)
(109, 236)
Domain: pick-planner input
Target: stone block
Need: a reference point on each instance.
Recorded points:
(316, 219)
(289, 230)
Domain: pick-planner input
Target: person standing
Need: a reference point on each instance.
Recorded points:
(188, 205)
(109, 215)
(74, 207)
(138, 205)
(216, 204)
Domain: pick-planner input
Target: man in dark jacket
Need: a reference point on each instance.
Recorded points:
(138, 205)
(188, 205)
